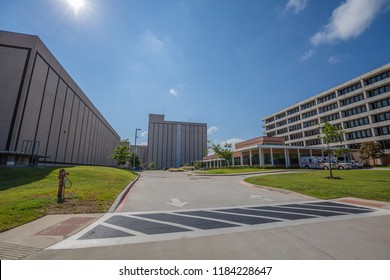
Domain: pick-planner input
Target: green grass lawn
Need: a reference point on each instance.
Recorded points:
(27, 194)
(235, 170)
(366, 184)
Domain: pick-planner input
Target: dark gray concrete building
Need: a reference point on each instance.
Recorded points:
(173, 144)
(45, 118)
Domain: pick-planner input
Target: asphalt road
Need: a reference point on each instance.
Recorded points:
(183, 216)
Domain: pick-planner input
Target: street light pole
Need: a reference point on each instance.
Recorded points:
(135, 144)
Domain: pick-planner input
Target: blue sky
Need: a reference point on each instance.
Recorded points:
(222, 62)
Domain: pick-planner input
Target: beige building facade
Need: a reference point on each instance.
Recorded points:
(45, 118)
(360, 106)
(174, 144)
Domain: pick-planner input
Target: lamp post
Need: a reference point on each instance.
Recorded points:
(135, 144)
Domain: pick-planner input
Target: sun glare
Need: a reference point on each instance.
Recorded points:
(76, 4)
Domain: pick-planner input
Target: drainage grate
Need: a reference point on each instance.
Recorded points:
(15, 252)
(66, 227)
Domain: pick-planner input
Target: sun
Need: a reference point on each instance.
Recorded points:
(77, 4)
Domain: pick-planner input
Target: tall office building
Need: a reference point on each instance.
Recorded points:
(173, 144)
(360, 106)
(45, 118)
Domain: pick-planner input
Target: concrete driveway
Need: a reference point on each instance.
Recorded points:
(182, 216)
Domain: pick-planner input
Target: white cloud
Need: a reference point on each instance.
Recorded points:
(212, 129)
(308, 54)
(349, 20)
(334, 59)
(232, 141)
(150, 43)
(175, 91)
(144, 133)
(296, 5)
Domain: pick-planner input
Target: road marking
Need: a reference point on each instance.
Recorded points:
(177, 203)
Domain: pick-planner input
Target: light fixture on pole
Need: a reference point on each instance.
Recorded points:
(135, 145)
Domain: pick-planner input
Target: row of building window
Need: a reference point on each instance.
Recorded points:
(352, 99)
(328, 108)
(353, 111)
(293, 111)
(384, 130)
(381, 117)
(281, 123)
(358, 134)
(326, 98)
(357, 122)
(331, 117)
(312, 132)
(308, 105)
(283, 130)
(281, 115)
(269, 127)
(299, 143)
(313, 142)
(378, 91)
(350, 88)
(294, 119)
(309, 114)
(379, 104)
(377, 78)
(298, 135)
(310, 123)
(294, 127)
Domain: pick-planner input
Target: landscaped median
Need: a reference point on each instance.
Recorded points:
(237, 170)
(27, 194)
(365, 184)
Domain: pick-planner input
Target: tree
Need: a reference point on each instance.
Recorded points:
(224, 151)
(339, 152)
(122, 152)
(137, 161)
(152, 166)
(330, 134)
(371, 150)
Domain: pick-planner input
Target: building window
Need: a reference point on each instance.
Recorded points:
(358, 134)
(351, 100)
(293, 111)
(377, 78)
(294, 119)
(295, 127)
(328, 108)
(381, 117)
(378, 91)
(349, 89)
(312, 132)
(308, 105)
(296, 136)
(380, 104)
(353, 111)
(279, 116)
(331, 117)
(271, 134)
(309, 114)
(310, 123)
(268, 127)
(271, 119)
(281, 123)
(384, 130)
(357, 122)
(313, 142)
(282, 131)
(299, 143)
(326, 98)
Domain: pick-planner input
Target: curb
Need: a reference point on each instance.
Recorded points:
(122, 195)
(252, 173)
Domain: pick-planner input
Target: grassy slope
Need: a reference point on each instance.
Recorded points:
(30, 193)
(366, 184)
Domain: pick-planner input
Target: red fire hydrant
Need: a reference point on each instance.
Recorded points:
(61, 185)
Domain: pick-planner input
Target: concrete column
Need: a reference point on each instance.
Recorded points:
(322, 152)
(250, 157)
(285, 158)
(272, 157)
(311, 154)
(233, 161)
(299, 158)
(241, 159)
